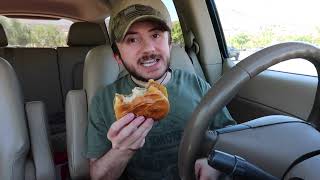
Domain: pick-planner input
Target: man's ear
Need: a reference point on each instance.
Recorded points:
(117, 58)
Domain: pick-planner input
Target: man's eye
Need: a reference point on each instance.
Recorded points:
(132, 40)
(156, 35)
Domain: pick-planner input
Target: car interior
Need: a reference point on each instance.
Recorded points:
(45, 93)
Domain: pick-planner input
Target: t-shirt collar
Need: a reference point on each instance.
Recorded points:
(163, 80)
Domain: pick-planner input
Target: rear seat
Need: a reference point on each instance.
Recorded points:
(47, 74)
(82, 37)
(37, 71)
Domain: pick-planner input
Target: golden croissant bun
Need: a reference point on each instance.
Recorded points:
(150, 102)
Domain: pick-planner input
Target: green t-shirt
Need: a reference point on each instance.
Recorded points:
(158, 158)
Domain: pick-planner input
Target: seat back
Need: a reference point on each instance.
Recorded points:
(82, 37)
(76, 123)
(38, 72)
(39, 138)
(13, 129)
(19, 160)
(100, 70)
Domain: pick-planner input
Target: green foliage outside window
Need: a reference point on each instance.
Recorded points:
(267, 37)
(176, 33)
(40, 35)
(46, 35)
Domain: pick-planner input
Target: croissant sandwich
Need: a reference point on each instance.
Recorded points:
(150, 102)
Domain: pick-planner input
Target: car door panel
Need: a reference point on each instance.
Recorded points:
(273, 92)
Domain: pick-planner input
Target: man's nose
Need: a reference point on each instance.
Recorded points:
(148, 45)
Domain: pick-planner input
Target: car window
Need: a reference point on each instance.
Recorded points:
(176, 32)
(35, 33)
(250, 25)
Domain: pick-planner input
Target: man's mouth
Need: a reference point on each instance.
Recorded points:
(150, 62)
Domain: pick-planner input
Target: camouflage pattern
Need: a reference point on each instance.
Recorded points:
(127, 12)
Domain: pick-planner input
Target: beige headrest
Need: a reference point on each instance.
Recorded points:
(100, 69)
(86, 34)
(3, 37)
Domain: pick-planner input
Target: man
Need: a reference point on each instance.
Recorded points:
(137, 147)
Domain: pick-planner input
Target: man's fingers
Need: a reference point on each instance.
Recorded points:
(138, 137)
(197, 168)
(119, 124)
(142, 131)
(128, 130)
(205, 172)
(138, 143)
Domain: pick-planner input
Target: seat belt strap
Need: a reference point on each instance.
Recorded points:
(196, 64)
(192, 51)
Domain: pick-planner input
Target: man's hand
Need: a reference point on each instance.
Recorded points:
(129, 132)
(127, 135)
(205, 172)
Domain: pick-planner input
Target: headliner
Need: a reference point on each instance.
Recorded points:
(75, 10)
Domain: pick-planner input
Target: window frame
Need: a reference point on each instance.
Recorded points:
(217, 26)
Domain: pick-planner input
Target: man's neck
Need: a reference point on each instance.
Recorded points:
(163, 80)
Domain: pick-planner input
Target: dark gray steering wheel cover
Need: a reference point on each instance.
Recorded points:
(227, 87)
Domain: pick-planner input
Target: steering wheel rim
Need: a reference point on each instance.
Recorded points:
(228, 86)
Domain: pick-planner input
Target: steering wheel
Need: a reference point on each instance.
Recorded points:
(192, 146)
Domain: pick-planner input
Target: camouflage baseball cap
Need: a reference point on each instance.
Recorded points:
(125, 12)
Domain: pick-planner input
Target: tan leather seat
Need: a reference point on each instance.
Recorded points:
(34, 65)
(82, 37)
(100, 69)
(14, 139)
(19, 159)
(65, 64)
(39, 138)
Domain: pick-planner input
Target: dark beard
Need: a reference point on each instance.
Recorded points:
(133, 73)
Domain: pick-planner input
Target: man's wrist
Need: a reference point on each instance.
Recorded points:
(123, 152)
(111, 165)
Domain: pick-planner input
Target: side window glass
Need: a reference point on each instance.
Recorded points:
(35, 33)
(250, 25)
(176, 33)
